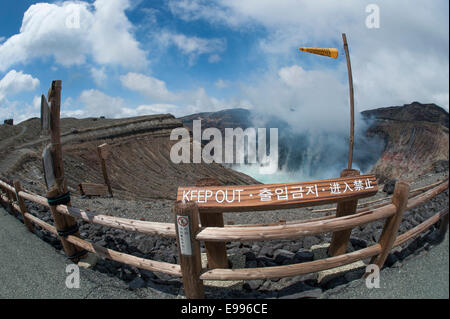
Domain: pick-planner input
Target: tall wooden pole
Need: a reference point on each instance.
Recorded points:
(63, 223)
(352, 103)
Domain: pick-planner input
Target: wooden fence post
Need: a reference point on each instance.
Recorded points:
(63, 223)
(10, 202)
(102, 154)
(23, 207)
(216, 252)
(390, 229)
(443, 227)
(186, 225)
(340, 239)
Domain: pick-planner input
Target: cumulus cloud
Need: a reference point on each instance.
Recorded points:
(15, 82)
(405, 59)
(148, 86)
(20, 111)
(72, 31)
(221, 84)
(214, 58)
(302, 98)
(99, 75)
(193, 46)
(97, 103)
(189, 101)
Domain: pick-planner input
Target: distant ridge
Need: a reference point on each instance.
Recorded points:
(410, 113)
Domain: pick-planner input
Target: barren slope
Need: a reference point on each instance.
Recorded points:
(139, 165)
(416, 138)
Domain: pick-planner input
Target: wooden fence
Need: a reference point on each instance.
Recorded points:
(190, 233)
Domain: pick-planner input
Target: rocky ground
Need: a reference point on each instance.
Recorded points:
(256, 254)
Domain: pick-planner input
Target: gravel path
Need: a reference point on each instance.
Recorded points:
(425, 276)
(254, 254)
(30, 268)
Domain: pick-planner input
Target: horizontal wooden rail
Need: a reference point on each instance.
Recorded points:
(152, 265)
(317, 265)
(401, 239)
(6, 186)
(412, 193)
(412, 201)
(280, 230)
(298, 229)
(420, 199)
(289, 231)
(290, 270)
(144, 227)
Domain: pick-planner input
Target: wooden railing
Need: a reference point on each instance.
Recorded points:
(12, 196)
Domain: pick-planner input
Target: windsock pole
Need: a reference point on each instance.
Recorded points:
(352, 103)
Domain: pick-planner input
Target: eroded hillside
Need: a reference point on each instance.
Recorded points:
(416, 137)
(139, 165)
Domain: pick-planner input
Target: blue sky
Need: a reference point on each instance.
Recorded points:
(133, 57)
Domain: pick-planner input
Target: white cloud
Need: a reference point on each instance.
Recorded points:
(15, 82)
(214, 58)
(221, 84)
(20, 111)
(97, 103)
(148, 86)
(104, 31)
(193, 46)
(406, 59)
(190, 101)
(99, 75)
(300, 97)
(151, 109)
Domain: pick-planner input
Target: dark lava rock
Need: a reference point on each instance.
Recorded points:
(333, 283)
(249, 256)
(282, 255)
(252, 284)
(389, 186)
(146, 245)
(266, 251)
(390, 260)
(307, 294)
(266, 262)
(303, 255)
(440, 166)
(136, 283)
(402, 254)
(166, 279)
(358, 243)
(310, 241)
(295, 288)
(147, 274)
(354, 274)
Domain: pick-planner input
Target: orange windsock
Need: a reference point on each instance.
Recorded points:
(331, 52)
